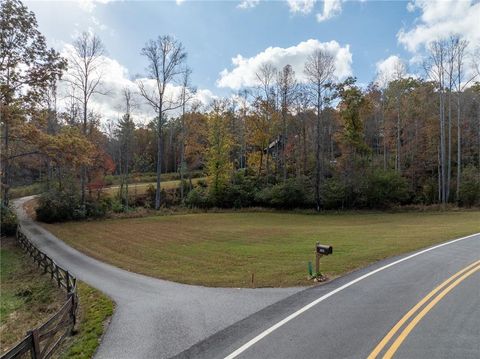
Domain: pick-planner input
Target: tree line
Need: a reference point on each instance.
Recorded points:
(293, 140)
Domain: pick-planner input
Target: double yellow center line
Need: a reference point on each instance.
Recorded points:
(443, 288)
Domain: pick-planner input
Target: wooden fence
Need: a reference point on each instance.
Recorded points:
(41, 342)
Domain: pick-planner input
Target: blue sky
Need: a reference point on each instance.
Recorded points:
(365, 34)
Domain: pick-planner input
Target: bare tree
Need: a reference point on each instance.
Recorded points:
(452, 48)
(435, 67)
(461, 84)
(302, 105)
(399, 73)
(85, 75)
(165, 57)
(319, 69)
(188, 93)
(125, 132)
(287, 87)
(266, 77)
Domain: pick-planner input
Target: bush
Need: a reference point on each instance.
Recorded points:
(240, 192)
(8, 221)
(333, 193)
(469, 194)
(293, 193)
(383, 189)
(98, 208)
(199, 198)
(60, 206)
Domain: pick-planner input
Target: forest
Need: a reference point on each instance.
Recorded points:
(320, 143)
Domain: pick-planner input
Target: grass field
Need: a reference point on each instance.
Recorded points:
(29, 298)
(224, 249)
(141, 188)
(95, 310)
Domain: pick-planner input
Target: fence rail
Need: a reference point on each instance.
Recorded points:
(42, 341)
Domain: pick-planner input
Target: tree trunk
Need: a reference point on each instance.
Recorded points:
(159, 158)
(449, 156)
(459, 149)
(84, 168)
(6, 164)
(398, 159)
(318, 154)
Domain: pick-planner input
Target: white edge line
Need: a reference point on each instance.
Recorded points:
(335, 291)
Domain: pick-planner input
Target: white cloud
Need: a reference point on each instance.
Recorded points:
(243, 73)
(331, 8)
(301, 6)
(89, 5)
(116, 77)
(179, 2)
(247, 4)
(439, 20)
(391, 68)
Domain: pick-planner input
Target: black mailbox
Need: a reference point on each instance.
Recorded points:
(325, 250)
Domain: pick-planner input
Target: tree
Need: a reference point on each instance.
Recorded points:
(187, 95)
(459, 64)
(287, 86)
(85, 76)
(319, 69)
(27, 68)
(265, 102)
(435, 67)
(125, 133)
(219, 166)
(165, 58)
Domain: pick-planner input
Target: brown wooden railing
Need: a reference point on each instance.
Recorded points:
(42, 341)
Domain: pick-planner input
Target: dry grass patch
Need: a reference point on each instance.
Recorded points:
(224, 249)
(135, 189)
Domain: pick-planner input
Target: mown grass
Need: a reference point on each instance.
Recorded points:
(224, 249)
(95, 310)
(28, 298)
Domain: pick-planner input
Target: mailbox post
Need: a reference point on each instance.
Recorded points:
(321, 250)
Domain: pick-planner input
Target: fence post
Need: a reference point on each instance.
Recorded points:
(51, 267)
(57, 270)
(68, 281)
(35, 344)
(73, 316)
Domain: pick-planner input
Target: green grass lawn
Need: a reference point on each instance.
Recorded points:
(95, 310)
(224, 249)
(28, 298)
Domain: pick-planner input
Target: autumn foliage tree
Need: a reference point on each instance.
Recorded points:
(27, 68)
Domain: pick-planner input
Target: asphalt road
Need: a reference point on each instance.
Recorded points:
(349, 317)
(153, 318)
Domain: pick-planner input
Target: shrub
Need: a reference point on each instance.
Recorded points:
(469, 194)
(383, 189)
(150, 193)
(8, 221)
(58, 206)
(333, 193)
(97, 209)
(293, 193)
(116, 205)
(240, 192)
(199, 198)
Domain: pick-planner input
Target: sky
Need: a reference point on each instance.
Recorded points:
(227, 41)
